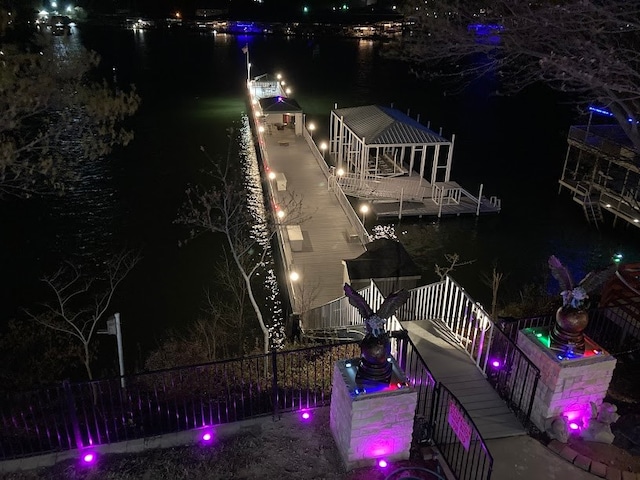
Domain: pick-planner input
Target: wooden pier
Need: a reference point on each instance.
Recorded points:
(315, 249)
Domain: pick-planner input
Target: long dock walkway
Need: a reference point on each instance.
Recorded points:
(317, 256)
(451, 366)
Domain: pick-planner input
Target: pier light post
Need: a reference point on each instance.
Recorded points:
(323, 147)
(312, 127)
(363, 210)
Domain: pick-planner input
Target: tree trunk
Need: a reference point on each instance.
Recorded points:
(254, 303)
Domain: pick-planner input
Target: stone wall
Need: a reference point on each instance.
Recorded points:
(370, 426)
(566, 387)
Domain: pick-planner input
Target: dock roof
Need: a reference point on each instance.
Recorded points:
(279, 104)
(387, 126)
(384, 258)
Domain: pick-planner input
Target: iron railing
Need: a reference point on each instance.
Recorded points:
(74, 415)
(458, 439)
(442, 419)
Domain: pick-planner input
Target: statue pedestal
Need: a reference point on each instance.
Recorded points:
(568, 384)
(370, 423)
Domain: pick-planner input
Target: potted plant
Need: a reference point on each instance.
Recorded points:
(572, 316)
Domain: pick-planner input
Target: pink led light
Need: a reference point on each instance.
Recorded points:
(207, 437)
(574, 426)
(382, 463)
(495, 363)
(89, 458)
(306, 415)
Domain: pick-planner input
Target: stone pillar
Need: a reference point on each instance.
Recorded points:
(567, 385)
(367, 426)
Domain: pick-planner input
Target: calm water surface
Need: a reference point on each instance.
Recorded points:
(192, 86)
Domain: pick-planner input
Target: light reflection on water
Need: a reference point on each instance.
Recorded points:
(265, 277)
(192, 88)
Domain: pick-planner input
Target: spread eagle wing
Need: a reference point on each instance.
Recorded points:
(560, 273)
(358, 301)
(392, 303)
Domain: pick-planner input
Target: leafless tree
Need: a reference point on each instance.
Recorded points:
(54, 116)
(82, 301)
(588, 48)
(454, 262)
(225, 208)
(493, 283)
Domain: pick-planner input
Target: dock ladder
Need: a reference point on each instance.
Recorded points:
(590, 205)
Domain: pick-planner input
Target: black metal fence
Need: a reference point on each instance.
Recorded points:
(442, 419)
(458, 439)
(75, 415)
(71, 416)
(512, 375)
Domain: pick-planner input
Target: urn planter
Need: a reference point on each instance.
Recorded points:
(567, 332)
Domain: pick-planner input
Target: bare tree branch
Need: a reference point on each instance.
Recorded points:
(588, 48)
(80, 303)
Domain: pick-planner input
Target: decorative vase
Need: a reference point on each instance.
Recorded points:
(375, 367)
(566, 333)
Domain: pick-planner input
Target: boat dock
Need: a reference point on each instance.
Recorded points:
(387, 179)
(314, 249)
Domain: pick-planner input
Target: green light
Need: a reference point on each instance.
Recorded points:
(617, 257)
(305, 9)
(544, 339)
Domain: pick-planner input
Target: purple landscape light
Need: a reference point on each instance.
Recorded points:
(574, 426)
(207, 437)
(382, 463)
(306, 415)
(89, 458)
(495, 363)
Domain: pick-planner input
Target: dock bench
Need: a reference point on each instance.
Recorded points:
(294, 232)
(281, 181)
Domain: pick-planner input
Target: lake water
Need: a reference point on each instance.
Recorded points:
(192, 88)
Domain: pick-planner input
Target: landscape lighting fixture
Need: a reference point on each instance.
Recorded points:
(89, 458)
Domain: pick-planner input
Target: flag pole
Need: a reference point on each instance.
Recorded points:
(248, 64)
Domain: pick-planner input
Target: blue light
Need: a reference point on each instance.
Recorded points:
(600, 111)
(606, 113)
(485, 28)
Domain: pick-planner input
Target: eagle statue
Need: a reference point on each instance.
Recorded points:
(375, 321)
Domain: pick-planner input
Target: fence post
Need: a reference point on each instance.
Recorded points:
(274, 383)
(71, 404)
(402, 336)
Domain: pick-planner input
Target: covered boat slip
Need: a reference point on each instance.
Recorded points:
(602, 172)
(385, 157)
